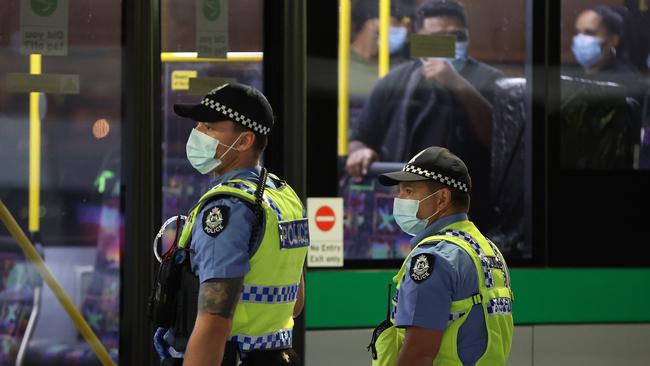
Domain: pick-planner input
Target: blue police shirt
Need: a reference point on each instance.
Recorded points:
(427, 303)
(226, 254)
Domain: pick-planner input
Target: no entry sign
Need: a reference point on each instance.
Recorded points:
(325, 232)
(325, 218)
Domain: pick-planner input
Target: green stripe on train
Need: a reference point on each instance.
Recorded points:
(357, 299)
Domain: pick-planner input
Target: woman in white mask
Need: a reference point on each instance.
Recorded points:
(439, 277)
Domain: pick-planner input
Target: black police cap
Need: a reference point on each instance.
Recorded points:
(239, 103)
(435, 163)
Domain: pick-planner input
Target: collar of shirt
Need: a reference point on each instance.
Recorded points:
(248, 173)
(437, 225)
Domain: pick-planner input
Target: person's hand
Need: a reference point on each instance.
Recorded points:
(441, 71)
(359, 161)
(160, 344)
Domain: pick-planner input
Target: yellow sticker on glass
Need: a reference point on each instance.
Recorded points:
(432, 45)
(181, 79)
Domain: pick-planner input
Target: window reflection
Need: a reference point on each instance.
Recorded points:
(364, 42)
(603, 87)
(80, 224)
(182, 185)
(471, 102)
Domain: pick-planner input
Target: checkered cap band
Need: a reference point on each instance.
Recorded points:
(279, 339)
(236, 116)
(437, 177)
(269, 294)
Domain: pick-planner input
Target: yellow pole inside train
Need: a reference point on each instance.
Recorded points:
(34, 224)
(384, 26)
(344, 75)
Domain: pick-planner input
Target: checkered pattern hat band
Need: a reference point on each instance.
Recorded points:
(437, 177)
(236, 116)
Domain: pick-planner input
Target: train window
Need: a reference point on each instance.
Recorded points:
(456, 80)
(190, 71)
(60, 111)
(598, 131)
(604, 86)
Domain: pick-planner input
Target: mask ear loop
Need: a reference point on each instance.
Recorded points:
(427, 197)
(230, 147)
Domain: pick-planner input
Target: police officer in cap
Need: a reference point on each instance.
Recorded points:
(453, 300)
(247, 240)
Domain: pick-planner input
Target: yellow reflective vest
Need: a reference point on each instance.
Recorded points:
(494, 296)
(264, 315)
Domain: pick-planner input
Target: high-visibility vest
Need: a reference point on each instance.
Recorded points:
(494, 296)
(263, 318)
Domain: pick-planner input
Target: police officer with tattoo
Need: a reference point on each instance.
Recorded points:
(228, 291)
(452, 304)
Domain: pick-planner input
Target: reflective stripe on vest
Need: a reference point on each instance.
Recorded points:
(269, 294)
(489, 280)
(278, 339)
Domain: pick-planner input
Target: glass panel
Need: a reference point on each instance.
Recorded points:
(187, 78)
(598, 135)
(460, 85)
(60, 175)
(364, 55)
(604, 108)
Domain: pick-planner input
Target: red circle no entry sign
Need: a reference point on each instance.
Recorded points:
(325, 218)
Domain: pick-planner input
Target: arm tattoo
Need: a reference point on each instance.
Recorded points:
(219, 296)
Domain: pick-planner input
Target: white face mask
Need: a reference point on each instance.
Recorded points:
(200, 150)
(405, 212)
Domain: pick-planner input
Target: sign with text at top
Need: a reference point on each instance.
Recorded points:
(212, 28)
(325, 232)
(44, 27)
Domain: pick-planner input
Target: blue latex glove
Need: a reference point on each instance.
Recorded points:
(161, 340)
(160, 344)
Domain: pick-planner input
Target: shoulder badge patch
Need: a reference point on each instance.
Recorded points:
(215, 220)
(421, 266)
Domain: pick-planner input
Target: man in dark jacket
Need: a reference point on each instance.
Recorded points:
(432, 101)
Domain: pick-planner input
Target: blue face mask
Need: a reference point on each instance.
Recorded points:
(460, 58)
(396, 38)
(405, 212)
(201, 149)
(461, 55)
(586, 49)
